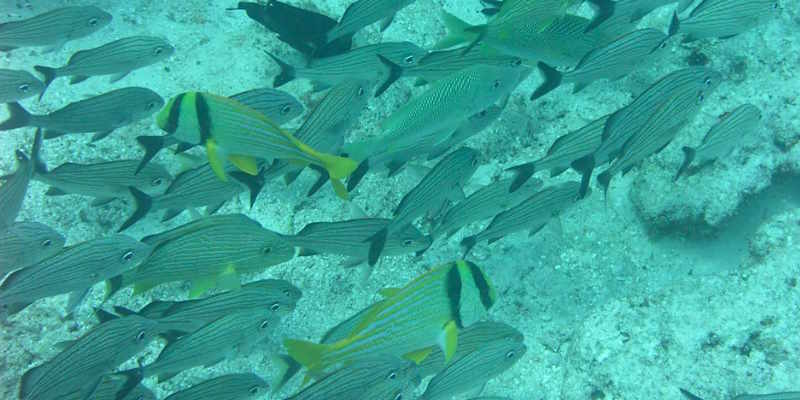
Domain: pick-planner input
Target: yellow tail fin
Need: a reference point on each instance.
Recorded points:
(306, 353)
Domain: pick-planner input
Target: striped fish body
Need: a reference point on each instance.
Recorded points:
(13, 189)
(474, 125)
(407, 322)
(27, 243)
(441, 64)
(80, 366)
(225, 387)
(74, 269)
(197, 187)
(348, 238)
(17, 85)
(726, 18)
(53, 28)
(114, 58)
(112, 387)
(212, 251)
(484, 203)
(533, 214)
(105, 180)
(535, 16)
(278, 106)
(471, 339)
(474, 369)
(380, 377)
(212, 343)
(362, 13)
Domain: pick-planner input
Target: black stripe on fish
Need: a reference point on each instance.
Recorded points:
(203, 117)
(174, 114)
(482, 284)
(453, 285)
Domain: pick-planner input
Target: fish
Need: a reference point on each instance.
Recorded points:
(662, 125)
(362, 13)
(193, 188)
(722, 138)
(564, 152)
(53, 28)
(116, 387)
(407, 322)
(444, 182)
(225, 387)
(212, 343)
(623, 123)
(378, 377)
(723, 19)
(303, 30)
(80, 367)
(769, 396)
(278, 106)
(73, 270)
(532, 213)
(474, 125)
(278, 296)
(209, 252)
(613, 61)
(442, 63)
(621, 15)
(15, 185)
(233, 131)
(474, 369)
(117, 58)
(348, 238)
(382, 62)
(483, 203)
(27, 243)
(100, 114)
(17, 85)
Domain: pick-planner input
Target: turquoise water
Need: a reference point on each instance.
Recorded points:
(655, 286)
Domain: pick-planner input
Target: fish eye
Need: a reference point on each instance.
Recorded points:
(157, 182)
(287, 292)
(408, 242)
(93, 21)
(662, 45)
(392, 375)
(128, 255)
(510, 354)
(286, 109)
(399, 396)
(474, 162)
(360, 91)
(482, 113)
(264, 324)
(24, 88)
(266, 250)
(516, 62)
(254, 390)
(158, 50)
(700, 97)
(409, 60)
(140, 336)
(496, 84)
(707, 81)
(47, 243)
(775, 5)
(275, 307)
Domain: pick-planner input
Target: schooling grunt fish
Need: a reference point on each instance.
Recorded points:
(116, 387)
(233, 131)
(379, 377)
(117, 58)
(225, 387)
(440, 64)
(532, 214)
(408, 322)
(303, 30)
(73, 270)
(444, 182)
(723, 18)
(27, 243)
(723, 137)
(280, 107)
(100, 114)
(362, 13)
(474, 125)
(210, 252)
(14, 187)
(53, 28)
(622, 15)
(612, 61)
(17, 85)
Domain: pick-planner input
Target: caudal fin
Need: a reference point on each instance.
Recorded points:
(467, 244)
(604, 9)
(39, 167)
(151, 145)
(522, 173)
(49, 76)
(18, 117)
(674, 25)
(357, 175)
(376, 245)
(142, 206)
(395, 72)
(552, 79)
(456, 32)
(688, 157)
(253, 182)
(287, 73)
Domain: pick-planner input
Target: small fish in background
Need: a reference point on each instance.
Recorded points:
(723, 137)
(663, 125)
(613, 61)
(483, 203)
(407, 323)
(532, 213)
(53, 28)
(209, 252)
(280, 107)
(278, 296)
(117, 58)
(234, 132)
(100, 114)
(362, 13)
(382, 63)
(73, 270)
(563, 153)
(444, 182)
(229, 335)
(723, 18)
(377, 377)
(14, 187)
(225, 387)
(18, 85)
(348, 238)
(303, 30)
(82, 364)
(27, 243)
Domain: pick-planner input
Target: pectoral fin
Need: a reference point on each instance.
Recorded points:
(449, 341)
(418, 356)
(215, 160)
(246, 164)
